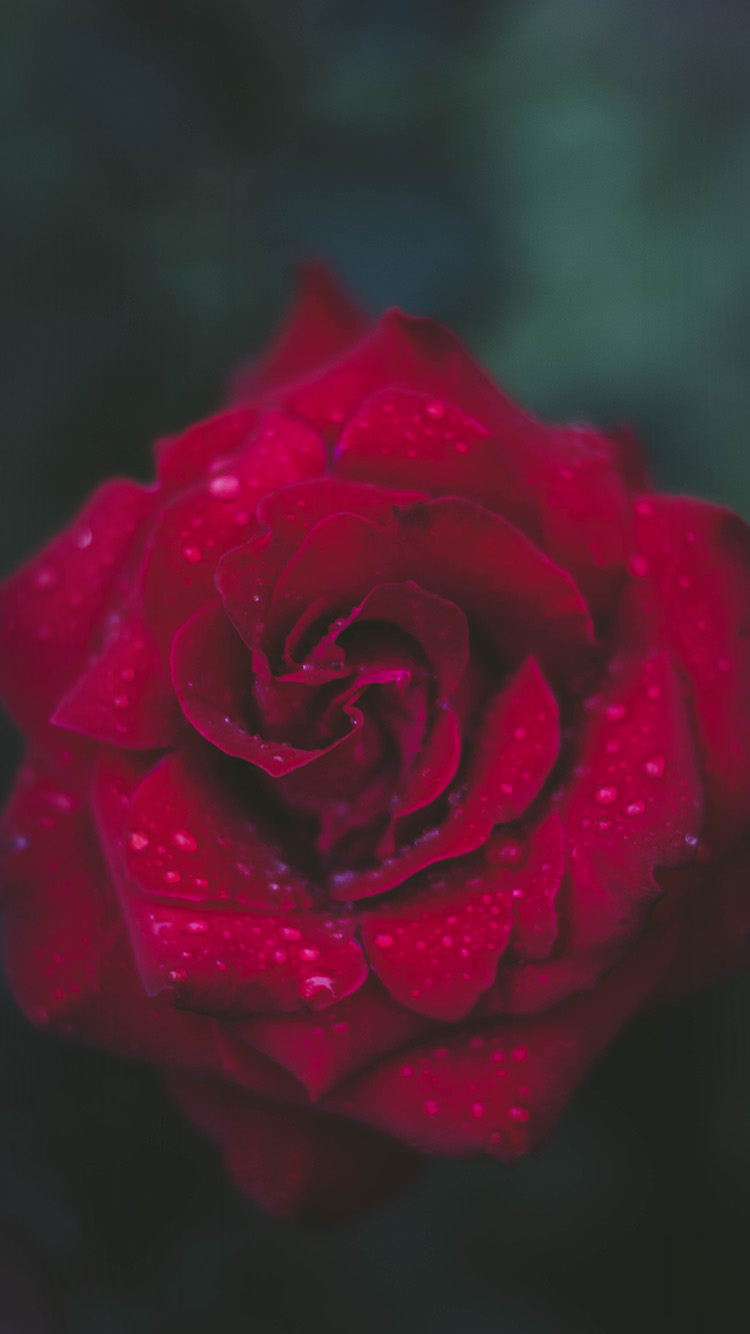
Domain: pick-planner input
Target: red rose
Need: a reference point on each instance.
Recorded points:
(384, 757)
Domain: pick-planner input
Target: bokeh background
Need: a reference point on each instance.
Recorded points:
(567, 183)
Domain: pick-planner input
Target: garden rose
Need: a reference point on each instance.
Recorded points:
(384, 757)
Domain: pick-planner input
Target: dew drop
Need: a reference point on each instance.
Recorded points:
(184, 841)
(605, 795)
(224, 487)
(518, 1114)
(655, 766)
(614, 713)
(433, 409)
(177, 975)
(384, 940)
(191, 554)
(638, 566)
(309, 953)
(196, 928)
(46, 579)
(636, 808)
(431, 1107)
(290, 933)
(138, 841)
(172, 877)
(477, 1110)
(121, 701)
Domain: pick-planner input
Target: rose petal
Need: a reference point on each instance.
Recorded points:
(499, 1087)
(186, 459)
(323, 323)
(321, 1049)
(402, 438)
(51, 607)
(219, 961)
(202, 842)
(692, 572)
(511, 760)
(635, 802)
(438, 950)
(296, 1162)
(66, 950)
(197, 528)
(522, 602)
(123, 696)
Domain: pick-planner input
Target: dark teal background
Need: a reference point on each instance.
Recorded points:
(567, 183)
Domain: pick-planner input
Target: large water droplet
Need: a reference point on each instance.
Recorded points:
(224, 487)
(605, 795)
(185, 841)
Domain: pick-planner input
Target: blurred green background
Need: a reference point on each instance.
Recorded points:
(567, 183)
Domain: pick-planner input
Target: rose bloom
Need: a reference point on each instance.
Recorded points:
(385, 756)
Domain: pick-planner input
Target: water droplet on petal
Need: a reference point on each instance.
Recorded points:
(184, 841)
(138, 841)
(638, 566)
(614, 713)
(309, 953)
(224, 487)
(655, 766)
(290, 933)
(431, 1107)
(605, 795)
(191, 554)
(636, 808)
(384, 940)
(433, 409)
(518, 1114)
(196, 928)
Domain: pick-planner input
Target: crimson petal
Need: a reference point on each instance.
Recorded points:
(187, 836)
(66, 950)
(402, 438)
(323, 323)
(511, 760)
(186, 459)
(499, 1087)
(692, 566)
(52, 606)
(123, 697)
(196, 528)
(437, 951)
(503, 583)
(635, 803)
(295, 1161)
(322, 1049)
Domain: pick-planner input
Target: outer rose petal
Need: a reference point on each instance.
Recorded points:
(714, 928)
(634, 803)
(186, 459)
(321, 1049)
(123, 697)
(323, 323)
(51, 608)
(67, 955)
(692, 563)
(294, 1161)
(562, 486)
(499, 1087)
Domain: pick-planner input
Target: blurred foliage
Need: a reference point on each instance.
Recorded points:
(566, 182)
